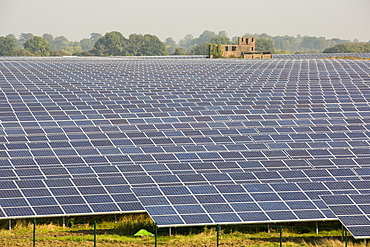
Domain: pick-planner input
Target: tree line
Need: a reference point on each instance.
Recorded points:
(111, 44)
(115, 44)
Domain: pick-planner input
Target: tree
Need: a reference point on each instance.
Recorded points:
(145, 45)
(179, 51)
(86, 44)
(206, 36)
(264, 45)
(25, 36)
(38, 46)
(222, 40)
(349, 48)
(95, 37)
(111, 44)
(59, 43)
(171, 45)
(202, 49)
(17, 45)
(49, 38)
(187, 41)
(7, 46)
(222, 33)
(23, 52)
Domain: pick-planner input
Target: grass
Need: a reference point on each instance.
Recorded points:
(79, 232)
(349, 57)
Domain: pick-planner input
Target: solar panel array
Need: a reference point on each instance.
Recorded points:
(189, 140)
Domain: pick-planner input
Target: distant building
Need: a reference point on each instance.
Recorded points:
(246, 48)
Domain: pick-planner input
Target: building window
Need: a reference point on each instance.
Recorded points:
(246, 41)
(234, 48)
(252, 39)
(252, 48)
(226, 48)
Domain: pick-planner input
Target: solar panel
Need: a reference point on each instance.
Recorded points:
(353, 211)
(153, 122)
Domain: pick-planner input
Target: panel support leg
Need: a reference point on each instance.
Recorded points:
(64, 222)
(345, 238)
(268, 228)
(365, 243)
(281, 236)
(155, 234)
(34, 233)
(94, 233)
(10, 224)
(217, 234)
(317, 228)
(170, 231)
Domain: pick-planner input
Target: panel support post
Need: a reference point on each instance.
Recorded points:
(170, 231)
(115, 219)
(345, 238)
(317, 228)
(268, 228)
(155, 234)
(281, 236)
(64, 222)
(94, 233)
(217, 234)
(342, 233)
(34, 233)
(10, 224)
(365, 243)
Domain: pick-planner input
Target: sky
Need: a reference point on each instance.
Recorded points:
(76, 19)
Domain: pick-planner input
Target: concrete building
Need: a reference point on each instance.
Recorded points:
(246, 48)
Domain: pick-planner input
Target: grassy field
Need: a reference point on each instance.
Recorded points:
(121, 233)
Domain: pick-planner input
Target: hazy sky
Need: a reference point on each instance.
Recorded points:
(76, 19)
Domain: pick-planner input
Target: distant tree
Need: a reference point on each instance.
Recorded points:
(171, 45)
(288, 43)
(314, 43)
(150, 46)
(86, 44)
(111, 44)
(25, 36)
(95, 37)
(23, 52)
(17, 45)
(222, 33)
(202, 49)
(170, 42)
(59, 43)
(179, 51)
(7, 46)
(37, 46)
(206, 36)
(187, 41)
(349, 48)
(264, 45)
(49, 38)
(220, 40)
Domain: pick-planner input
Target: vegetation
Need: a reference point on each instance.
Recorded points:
(111, 44)
(115, 44)
(7, 46)
(349, 57)
(38, 46)
(349, 48)
(79, 232)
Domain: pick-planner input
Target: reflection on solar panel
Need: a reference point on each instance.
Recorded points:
(183, 137)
